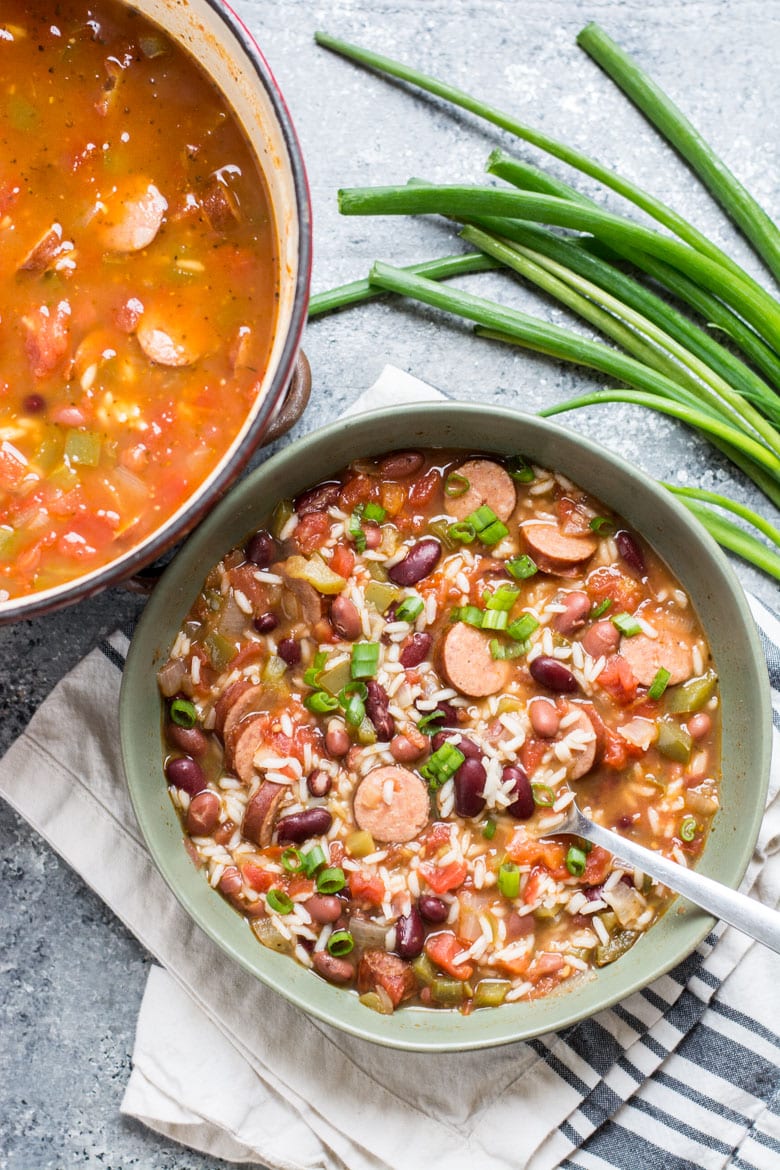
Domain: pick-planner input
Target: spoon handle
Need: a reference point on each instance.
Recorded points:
(748, 915)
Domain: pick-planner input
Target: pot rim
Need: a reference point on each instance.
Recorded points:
(434, 1034)
(69, 592)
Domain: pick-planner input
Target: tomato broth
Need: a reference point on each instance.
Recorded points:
(138, 285)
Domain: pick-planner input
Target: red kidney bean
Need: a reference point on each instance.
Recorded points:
(317, 499)
(628, 547)
(416, 650)
(545, 718)
(601, 639)
(470, 750)
(519, 925)
(184, 772)
(319, 782)
(333, 969)
(345, 619)
(575, 615)
(225, 831)
(421, 559)
(34, 404)
(401, 464)
(699, 725)
(432, 909)
(469, 784)
(373, 534)
(265, 623)
(551, 673)
(191, 740)
(449, 716)
(403, 750)
(593, 893)
(377, 710)
(231, 883)
(409, 935)
(324, 907)
(337, 741)
(298, 827)
(289, 651)
(522, 807)
(261, 550)
(203, 814)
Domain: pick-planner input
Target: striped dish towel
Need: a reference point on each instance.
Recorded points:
(682, 1075)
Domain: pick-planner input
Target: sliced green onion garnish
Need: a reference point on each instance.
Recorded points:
(374, 512)
(543, 795)
(602, 525)
(340, 943)
(456, 485)
(487, 525)
(503, 598)
(688, 828)
(472, 615)
(503, 650)
(354, 711)
(522, 628)
(183, 713)
(509, 879)
(489, 829)
(494, 619)
(494, 533)
(279, 901)
(430, 724)
(291, 859)
(320, 703)
(355, 529)
(443, 764)
(576, 861)
(409, 609)
(520, 470)
(521, 567)
(659, 683)
(310, 675)
(462, 531)
(312, 859)
(627, 624)
(330, 881)
(601, 608)
(365, 660)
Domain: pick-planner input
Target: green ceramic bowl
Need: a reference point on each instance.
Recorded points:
(689, 551)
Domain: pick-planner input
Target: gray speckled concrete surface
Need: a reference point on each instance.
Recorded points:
(71, 978)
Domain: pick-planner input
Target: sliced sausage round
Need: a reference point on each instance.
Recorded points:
(166, 343)
(392, 804)
(226, 700)
(553, 551)
(249, 701)
(379, 969)
(489, 484)
(468, 665)
(243, 744)
(258, 822)
(130, 218)
(670, 650)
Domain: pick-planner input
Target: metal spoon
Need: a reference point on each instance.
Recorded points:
(748, 915)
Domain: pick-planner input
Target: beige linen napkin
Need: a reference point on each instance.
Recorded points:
(223, 1064)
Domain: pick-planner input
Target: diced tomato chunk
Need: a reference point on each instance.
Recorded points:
(609, 583)
(342, 561)
(299, 885)
(545, 963)
(312, 532)
(86, 537)
(13, 466)
(617, 677)
(439, 834)
(531, 754)
(526, 850)
(258, 878)
(366, 887)
(446, 878)
(596, 867)
(442, 949)
(358, 490)
(48, 337)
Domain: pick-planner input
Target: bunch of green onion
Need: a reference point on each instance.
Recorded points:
(598, 267)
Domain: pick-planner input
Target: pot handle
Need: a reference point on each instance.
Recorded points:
(294, 403)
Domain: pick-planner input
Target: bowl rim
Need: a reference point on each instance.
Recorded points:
(79, 588)
(696, 925)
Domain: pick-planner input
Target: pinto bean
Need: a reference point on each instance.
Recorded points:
(468, 665)
(576, 613)
(401, 464)
(421, 559)
(319, 782)
(186, 773)
(318, 499)
(377, 704)
(203, 814)
(191, 740)
(699, 725)
(404, 816)
(403, 750)
(298, 827)
(345, 618)
(324, 907)
(551, 673)
(489, 484)
(416, 650)
(333, 969)
(544, 718)
(231, 883)
(601, 639)
(337, 741)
